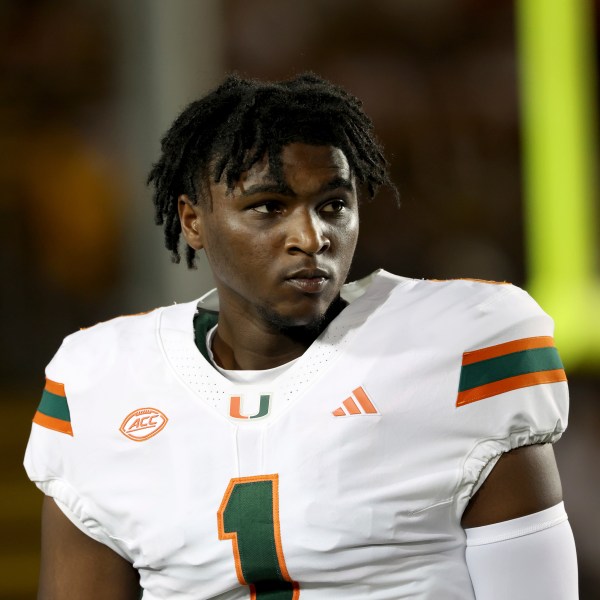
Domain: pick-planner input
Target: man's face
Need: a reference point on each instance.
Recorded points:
(280, 251)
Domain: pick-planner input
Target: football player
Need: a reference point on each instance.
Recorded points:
(288, 436)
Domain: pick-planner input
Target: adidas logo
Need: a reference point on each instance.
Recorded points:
(357, 405)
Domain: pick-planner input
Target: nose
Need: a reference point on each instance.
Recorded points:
(306, 234)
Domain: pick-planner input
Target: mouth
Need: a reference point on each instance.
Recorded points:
(309, 281)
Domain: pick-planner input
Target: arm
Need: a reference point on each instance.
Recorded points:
(74, 565)
(524, 481)
(519, 542)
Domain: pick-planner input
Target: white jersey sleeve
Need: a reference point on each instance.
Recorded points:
(63, 451)
(512, 381)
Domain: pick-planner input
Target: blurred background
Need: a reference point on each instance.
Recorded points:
(487, 111)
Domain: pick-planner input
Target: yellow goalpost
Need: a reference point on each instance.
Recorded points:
(562, 220)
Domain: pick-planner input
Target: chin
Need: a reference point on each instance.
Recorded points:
(312, 320)
(283, 321)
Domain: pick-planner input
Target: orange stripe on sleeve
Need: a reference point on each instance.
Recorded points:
(55, 388)
(338, 412)
(52, 423)
(364, 401)
(508, 384)
(507, 348)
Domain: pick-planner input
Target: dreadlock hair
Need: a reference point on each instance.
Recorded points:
(224, 133)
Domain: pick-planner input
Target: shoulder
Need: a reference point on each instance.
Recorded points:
(108, 337)
(470, 313)
(493, 380)
(92, 352)
(488, 312)
(117, 326)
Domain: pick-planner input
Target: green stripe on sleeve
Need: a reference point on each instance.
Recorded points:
(55, 406)
(509, 365)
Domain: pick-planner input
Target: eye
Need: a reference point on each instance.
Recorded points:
(334, 206)
(268, 208)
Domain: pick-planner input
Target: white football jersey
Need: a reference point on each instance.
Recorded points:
(344, 477)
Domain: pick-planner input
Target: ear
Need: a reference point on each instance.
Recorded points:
(190, 217)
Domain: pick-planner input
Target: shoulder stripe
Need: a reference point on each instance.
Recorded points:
(509, 366)
(53, 411)
(55, 388)
(508, 384)
(508, 347)
(52, 423)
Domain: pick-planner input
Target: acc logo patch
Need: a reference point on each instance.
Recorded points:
(143, 424)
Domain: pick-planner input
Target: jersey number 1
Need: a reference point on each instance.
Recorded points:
(249, 517)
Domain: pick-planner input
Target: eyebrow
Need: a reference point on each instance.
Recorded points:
(286, 190)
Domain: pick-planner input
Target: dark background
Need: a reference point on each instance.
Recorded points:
(88, 87)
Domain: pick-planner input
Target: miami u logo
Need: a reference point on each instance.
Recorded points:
(235, 407)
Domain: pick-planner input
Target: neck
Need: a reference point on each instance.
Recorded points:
(245, 344)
